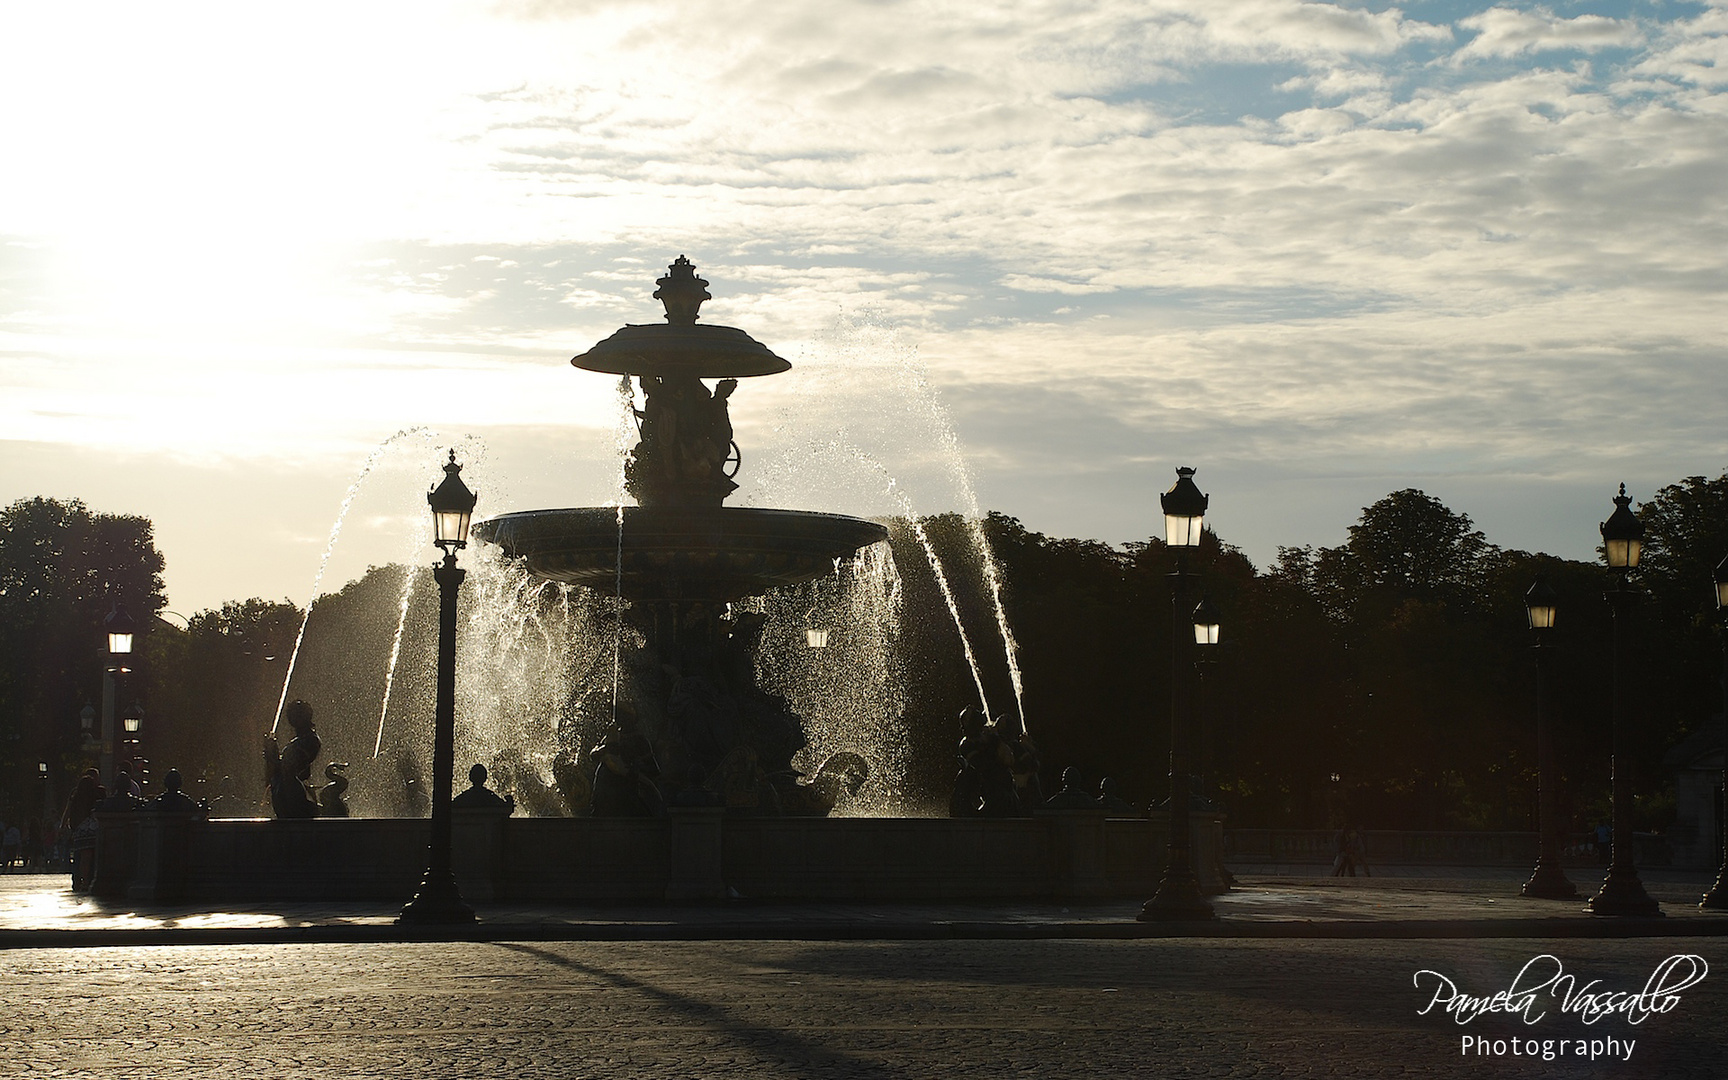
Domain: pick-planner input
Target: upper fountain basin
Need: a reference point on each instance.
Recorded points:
(692, 349)
(714, 553)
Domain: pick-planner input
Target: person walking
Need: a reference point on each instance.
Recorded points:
(80, 820)
(1358, 851)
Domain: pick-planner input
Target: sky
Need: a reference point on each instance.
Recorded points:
(1025, 257)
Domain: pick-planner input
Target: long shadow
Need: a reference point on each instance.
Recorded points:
(809, 1056)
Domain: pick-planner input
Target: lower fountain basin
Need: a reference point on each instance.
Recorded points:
(679, 553)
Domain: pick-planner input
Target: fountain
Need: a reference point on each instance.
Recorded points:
(692, 726)
(693, 792)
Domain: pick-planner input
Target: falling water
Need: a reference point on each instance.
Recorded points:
(947, 592)
(335, 531)
(626, 428)
(408, 579)
(892, 489)
(886, 394)
(527, 646)
(950, 444)
(851, 692)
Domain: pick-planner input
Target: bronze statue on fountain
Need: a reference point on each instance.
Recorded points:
(693, 726)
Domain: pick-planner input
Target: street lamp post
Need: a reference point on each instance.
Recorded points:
(1549, 881)
(438, 900)
(132, 723)
(1178, 896)
(1717, 898)
(1622, 893)
(120, 630)
(1203, 729)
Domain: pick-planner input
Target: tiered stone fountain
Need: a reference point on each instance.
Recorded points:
(695, 796)
(693, 726)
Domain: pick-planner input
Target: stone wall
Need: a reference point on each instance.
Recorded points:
(689, 855)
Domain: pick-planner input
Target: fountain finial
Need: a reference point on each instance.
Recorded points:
(681, 291)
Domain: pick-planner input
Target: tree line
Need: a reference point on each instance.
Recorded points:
(1390, 674)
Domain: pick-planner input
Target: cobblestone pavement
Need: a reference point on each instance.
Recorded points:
(1054, 1008)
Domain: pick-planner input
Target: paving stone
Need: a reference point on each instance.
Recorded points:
(1059, 1008)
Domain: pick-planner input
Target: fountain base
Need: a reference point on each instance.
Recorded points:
(689, 854)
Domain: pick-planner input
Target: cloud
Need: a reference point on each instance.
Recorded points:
(1506, 32)
(1692, 52)
(1029, 283)
(1114, 231)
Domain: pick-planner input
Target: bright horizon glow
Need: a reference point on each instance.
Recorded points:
(1320, 251)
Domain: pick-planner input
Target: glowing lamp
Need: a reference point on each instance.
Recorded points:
(1205, 622)
(120, 629)
(452, 508)
(1540, 605)
(1623, 534)
(1184, 511)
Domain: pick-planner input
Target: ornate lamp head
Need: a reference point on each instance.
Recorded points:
(1184, 511)
(1540, 605)
(452, 509)
(1622, 534)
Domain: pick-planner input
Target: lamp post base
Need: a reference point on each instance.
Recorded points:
(437, 903)
(1178, 899)
(1623, 894)
(1717, 898)
(1549, 882)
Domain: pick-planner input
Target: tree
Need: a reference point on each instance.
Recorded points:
(62, 568)
(1685, 536)
(1421, 710)
(1408, 546)
(213, 690)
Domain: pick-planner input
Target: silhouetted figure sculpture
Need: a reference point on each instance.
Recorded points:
(967, 799)
(995, 764)
(570, 775)
(288, 771)
(840, 777)
(742, 783)
(330, 800)
(990, 761)
(172, 798)
(479, 796)
(702, 719)
(624, 777)
(686, 438)
(1071, 797)
(513, 771)
(125, 795)
(1109, 800)
(414, 801)
(1027, 761)
(968, 795)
